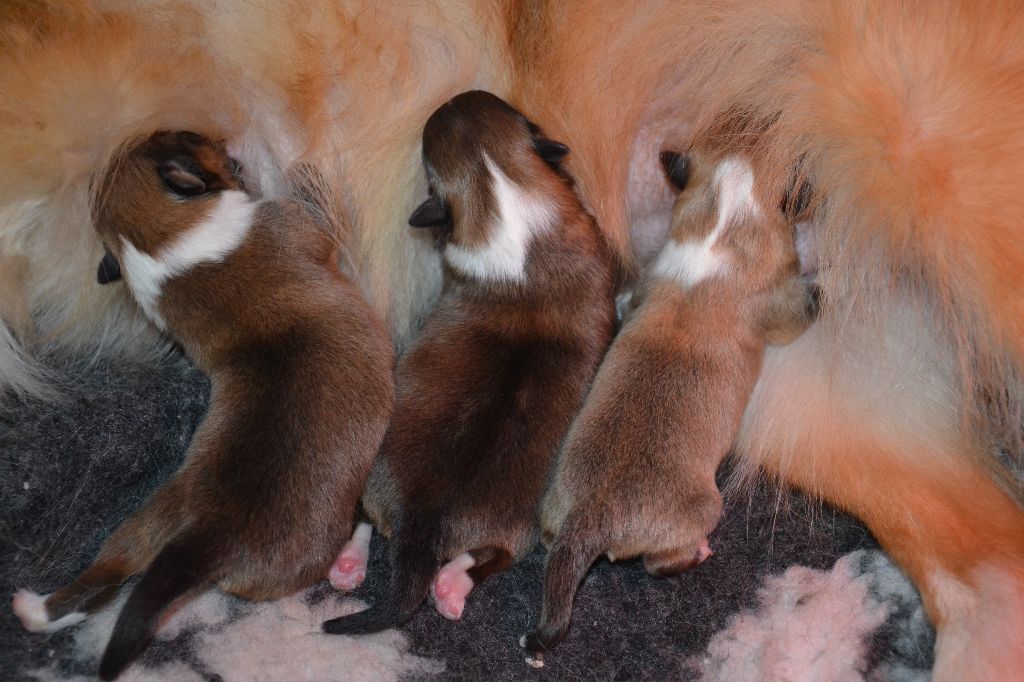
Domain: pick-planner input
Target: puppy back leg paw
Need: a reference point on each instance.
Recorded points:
(349, 569)
(674, 562)
(452, 585)
(31, 609)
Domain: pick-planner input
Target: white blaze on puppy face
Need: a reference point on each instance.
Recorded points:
(521, 215)
(695, 260)
(211, 240)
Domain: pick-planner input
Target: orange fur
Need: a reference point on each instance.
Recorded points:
(905, 118)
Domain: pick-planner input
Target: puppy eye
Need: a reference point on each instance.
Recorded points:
(182, 176)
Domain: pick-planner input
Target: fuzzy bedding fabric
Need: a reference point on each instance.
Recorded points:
(795, 591)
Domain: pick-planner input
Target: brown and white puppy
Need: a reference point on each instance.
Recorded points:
(487, 392)
(637, 473)
(302, 391)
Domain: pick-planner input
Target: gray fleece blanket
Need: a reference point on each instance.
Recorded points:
(794, 591)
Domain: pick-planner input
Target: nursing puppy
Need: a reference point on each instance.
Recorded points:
(302, 391)
(637, 473)
(487, 392)
(903, 403)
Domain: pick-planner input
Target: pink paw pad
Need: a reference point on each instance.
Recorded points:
(451, 586)
(349, 569)
(704, 551)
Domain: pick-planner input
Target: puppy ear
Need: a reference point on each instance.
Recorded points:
(677, 168)
(797, 199)
(109, 270)
(549, 150)
(431, 213)
(183, 175)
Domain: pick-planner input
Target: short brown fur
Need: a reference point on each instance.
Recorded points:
(636, 476)
(488, 390)
(301, 376)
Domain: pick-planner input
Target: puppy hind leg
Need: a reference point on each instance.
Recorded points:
(487, 561)
(125, 553)
(672, 562)
(458, 577)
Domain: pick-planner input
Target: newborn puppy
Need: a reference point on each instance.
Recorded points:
(637, 473)
(302, 391)
(489, 389)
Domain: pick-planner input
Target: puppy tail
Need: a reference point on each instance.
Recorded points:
(414, 560)
(185, 563)
(575, 548)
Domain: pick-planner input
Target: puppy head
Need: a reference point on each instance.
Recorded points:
(166, 204)
(727, 231)
(157, 189)
(494, 180)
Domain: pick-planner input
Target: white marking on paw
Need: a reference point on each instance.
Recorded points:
(535, 659)
(521, 215)
(31, 609)
(213, 239)
(696, 260)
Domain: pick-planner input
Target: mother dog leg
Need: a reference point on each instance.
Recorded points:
(869, 421)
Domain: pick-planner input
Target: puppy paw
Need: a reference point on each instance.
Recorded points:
(30, 608)
(451, 586)
(349, 569)
(704, 551)
(533, 659)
